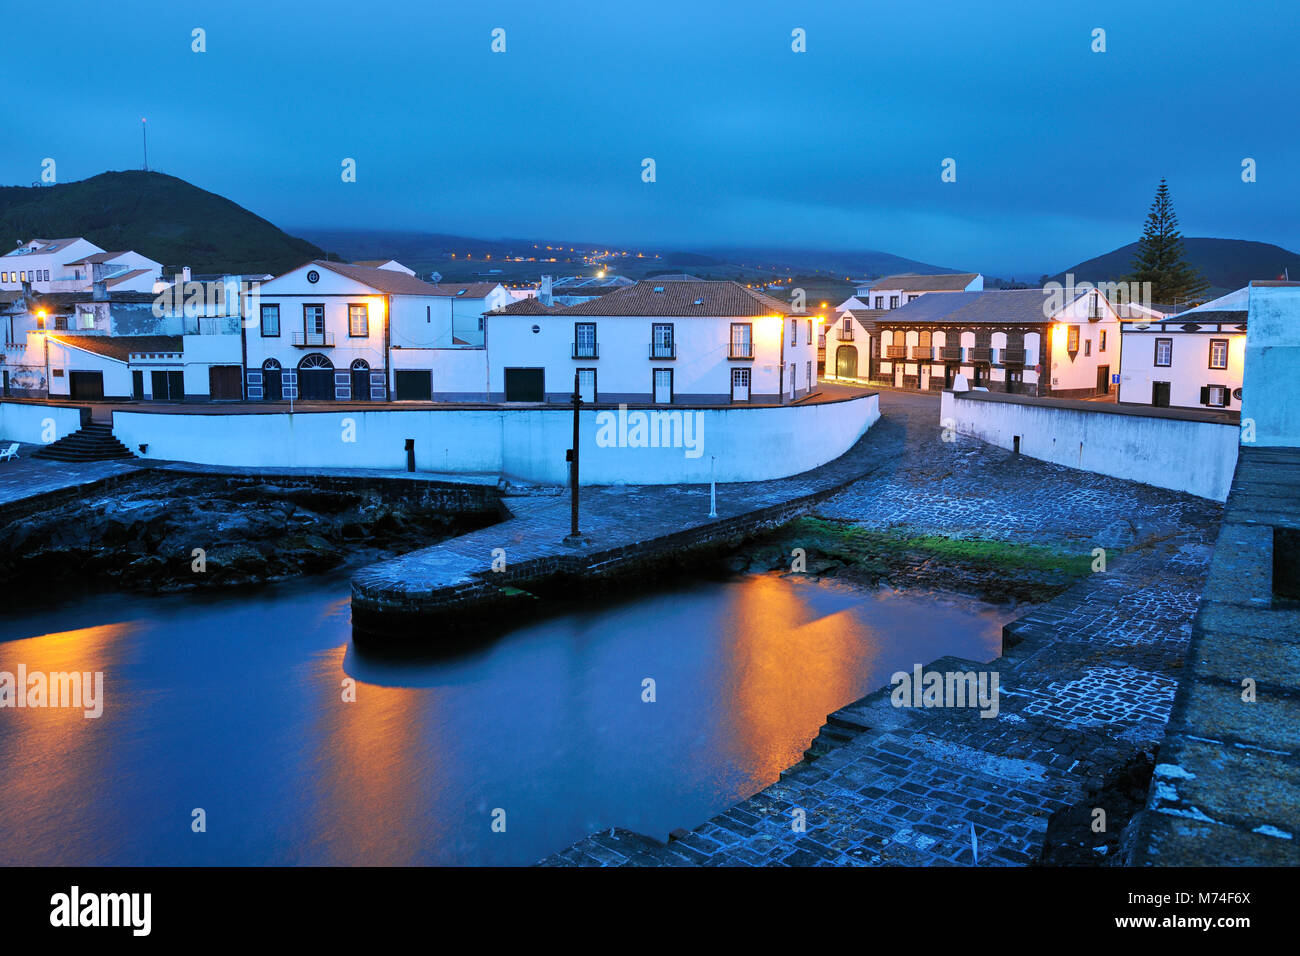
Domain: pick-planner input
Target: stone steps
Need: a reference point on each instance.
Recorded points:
(92, 442)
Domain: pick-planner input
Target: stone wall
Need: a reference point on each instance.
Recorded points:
(1226, 787)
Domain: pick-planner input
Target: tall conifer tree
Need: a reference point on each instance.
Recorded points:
(1160, 256)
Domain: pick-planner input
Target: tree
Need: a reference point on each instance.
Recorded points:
(1160, 255)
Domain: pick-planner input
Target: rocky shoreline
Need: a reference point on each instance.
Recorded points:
(166, 533)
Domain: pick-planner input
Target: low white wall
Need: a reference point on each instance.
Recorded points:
(1173, 451)
(743, 444)
(37, 424)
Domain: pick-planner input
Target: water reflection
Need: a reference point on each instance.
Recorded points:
(236, 705)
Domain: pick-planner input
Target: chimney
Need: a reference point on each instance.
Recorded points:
(98, 291)
(27, 293)
(544, 291)
(185, 274)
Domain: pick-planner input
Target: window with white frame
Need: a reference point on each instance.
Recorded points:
(1164, 353)
(270, 320)
(358, 320)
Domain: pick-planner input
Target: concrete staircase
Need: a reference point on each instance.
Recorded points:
(94, 441)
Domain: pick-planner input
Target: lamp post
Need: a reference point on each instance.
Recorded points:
(575, 538)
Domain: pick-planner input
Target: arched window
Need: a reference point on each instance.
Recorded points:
(315, 360)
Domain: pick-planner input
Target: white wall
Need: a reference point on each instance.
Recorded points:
(743, 444)
(458, 375)
(1197, 457)
(1271, 401)
(28, 423)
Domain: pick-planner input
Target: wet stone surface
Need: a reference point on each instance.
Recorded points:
(1087, 681)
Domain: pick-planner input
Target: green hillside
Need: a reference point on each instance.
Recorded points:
(159, 216)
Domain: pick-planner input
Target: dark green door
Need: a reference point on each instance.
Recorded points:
(525, 385)
(846, 362)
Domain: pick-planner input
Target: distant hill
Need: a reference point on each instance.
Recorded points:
(1227, 264)
(159, 216)
(425, 251)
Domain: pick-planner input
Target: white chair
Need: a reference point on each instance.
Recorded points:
(9, 453)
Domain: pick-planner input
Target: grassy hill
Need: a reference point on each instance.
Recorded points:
(1226, 263)
(159, 216)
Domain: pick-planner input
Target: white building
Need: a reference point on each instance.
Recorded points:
(892, 292)
(330, 331)
(848, 337)
(1190, 360)
(689, 342)
(1029, 341)
(463, 306)
(75, 265)
(119, 346)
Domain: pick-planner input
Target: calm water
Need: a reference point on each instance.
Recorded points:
(234, 704)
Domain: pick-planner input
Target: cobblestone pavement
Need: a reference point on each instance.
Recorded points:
(1086, 681)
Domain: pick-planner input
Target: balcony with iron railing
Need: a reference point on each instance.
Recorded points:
(981, 353)
(663, 350)
(846, 335)
(741, 351)
(923, 352)
(950, 353)
(895, 351)
(1013, 356)
(313, 340)
(586, 350)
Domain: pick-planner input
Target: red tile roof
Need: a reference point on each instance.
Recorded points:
(121, 347)
(473, 290)
(381, 280)
(913, 282)
(528, 306)
(682, 298)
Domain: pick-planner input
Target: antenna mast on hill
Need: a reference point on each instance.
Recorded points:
(144, 132)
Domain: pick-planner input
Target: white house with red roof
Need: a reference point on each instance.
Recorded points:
(334, 331)
(655, 342)
(75, 265)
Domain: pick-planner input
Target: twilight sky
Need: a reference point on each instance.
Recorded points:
(1058, 149)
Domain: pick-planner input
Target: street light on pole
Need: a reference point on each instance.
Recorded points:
(575, 538)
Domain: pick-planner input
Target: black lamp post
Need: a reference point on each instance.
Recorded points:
(575, 538)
